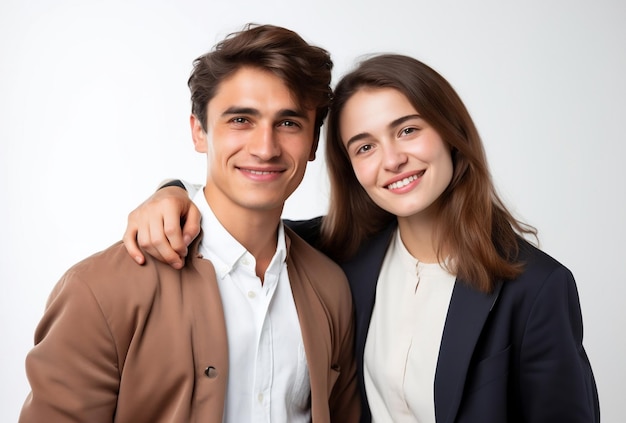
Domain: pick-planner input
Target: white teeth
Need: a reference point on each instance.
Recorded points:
(259, 172)
(402, 183)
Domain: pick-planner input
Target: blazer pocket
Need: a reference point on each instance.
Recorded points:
(488, 370)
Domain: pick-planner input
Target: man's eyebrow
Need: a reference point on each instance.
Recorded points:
(237, 110)
(251, 111)
(297, 113)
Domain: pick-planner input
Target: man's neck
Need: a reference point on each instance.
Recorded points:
(256, 230)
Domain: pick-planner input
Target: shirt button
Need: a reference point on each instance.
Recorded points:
(210, 372)
(260, 397)
(245, 261)
(251, 294)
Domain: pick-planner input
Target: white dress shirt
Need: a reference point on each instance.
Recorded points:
(268, 374)
(403, 339)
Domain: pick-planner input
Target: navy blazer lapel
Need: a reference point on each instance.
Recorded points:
(362, 272)
(466, 317)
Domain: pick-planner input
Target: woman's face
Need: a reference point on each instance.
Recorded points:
(398, 158)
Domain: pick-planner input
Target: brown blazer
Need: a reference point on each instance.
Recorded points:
(123, 343)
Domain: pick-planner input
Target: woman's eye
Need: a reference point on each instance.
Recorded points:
(408, 131)
(364, 149)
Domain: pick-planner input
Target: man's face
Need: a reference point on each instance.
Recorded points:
(258, 142)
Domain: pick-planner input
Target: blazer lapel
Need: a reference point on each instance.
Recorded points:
(467, 314)
(317, 343)
(362, 272)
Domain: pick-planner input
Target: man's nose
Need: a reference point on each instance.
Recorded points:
(265, 144)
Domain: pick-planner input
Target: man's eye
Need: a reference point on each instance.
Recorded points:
(289, 124)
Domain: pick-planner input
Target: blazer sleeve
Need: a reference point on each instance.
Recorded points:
(557, 382)
(72, 369)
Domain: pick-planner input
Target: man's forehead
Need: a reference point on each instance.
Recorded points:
(251, 84)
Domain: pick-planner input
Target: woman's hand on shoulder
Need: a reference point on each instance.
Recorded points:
(163, 226)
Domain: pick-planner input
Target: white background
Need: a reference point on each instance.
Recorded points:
(94, 114)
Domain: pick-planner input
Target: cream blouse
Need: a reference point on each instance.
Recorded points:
(402, 345)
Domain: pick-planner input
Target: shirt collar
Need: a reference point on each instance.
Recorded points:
(223, 250)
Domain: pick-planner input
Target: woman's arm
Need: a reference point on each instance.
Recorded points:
(164, 225)
(556, 379)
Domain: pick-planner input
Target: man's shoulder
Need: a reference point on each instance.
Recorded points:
(113, 264)
(112, 276)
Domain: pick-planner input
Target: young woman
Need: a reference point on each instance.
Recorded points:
(458, 318)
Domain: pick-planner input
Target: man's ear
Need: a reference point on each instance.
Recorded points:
(198, 134)
(316, 141)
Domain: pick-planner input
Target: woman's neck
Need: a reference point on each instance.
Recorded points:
(417, 234)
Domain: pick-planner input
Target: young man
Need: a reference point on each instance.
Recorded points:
(257, 326)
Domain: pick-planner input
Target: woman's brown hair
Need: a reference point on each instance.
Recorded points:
(479, 234)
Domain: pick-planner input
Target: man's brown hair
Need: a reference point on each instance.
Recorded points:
(305, 69)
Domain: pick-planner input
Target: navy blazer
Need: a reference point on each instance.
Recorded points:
(514, 355)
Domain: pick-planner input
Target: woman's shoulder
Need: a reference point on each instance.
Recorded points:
(541, 273)
(537, 261)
